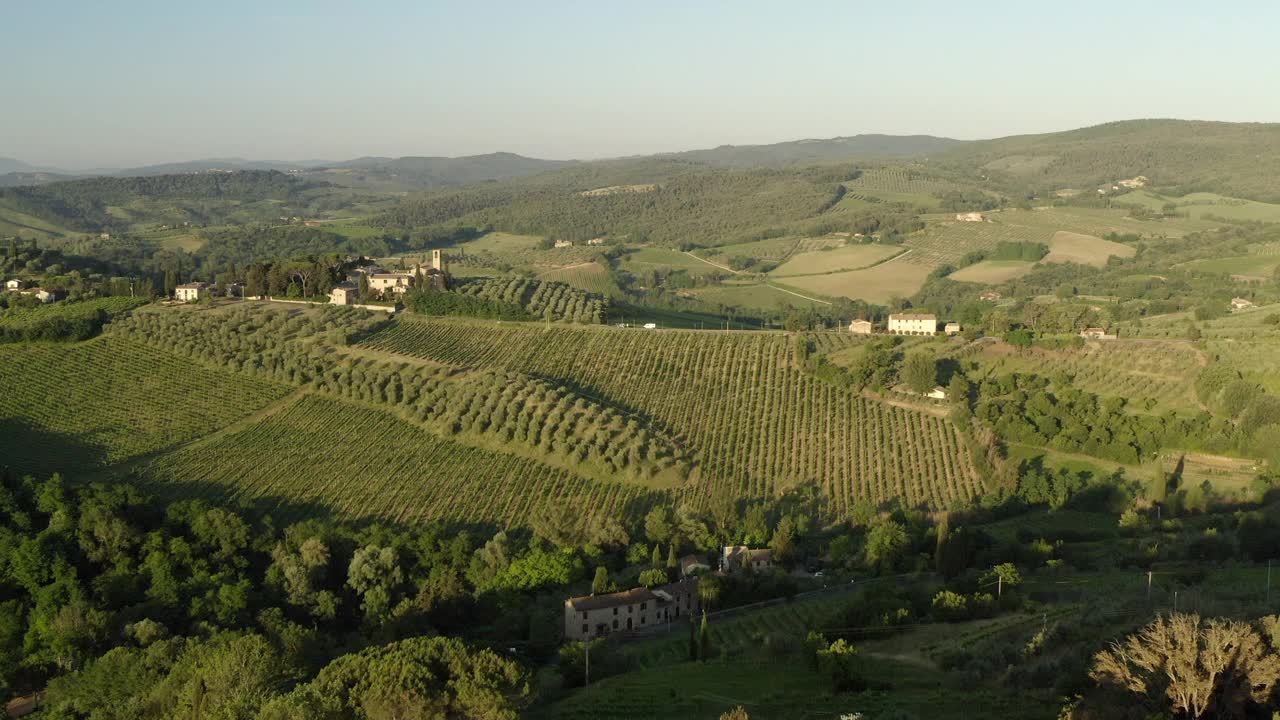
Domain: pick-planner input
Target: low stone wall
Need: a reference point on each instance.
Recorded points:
(389, 309)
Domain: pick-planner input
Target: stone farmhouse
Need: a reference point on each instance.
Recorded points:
(43, 295)
(970, 217)
(399, 283)
(913, 324)
(735, 558)
(860, 327)
(15, 284)
(1096, 333)
(596, 241)
(952, 328)
(344, 294)
(593, 616)
(990, 296)
(1241, 303)
(564, 243)
(693, 565)
(191, 292)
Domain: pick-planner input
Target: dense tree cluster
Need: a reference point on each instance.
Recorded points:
(204, 604)
(64, 321)
(83, 204)
(1023, 408)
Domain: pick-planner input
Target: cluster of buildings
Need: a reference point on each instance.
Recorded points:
(907, 324)
(22, 287)
(569, 243)
(386, 283)
(196, 291)
(593, 616)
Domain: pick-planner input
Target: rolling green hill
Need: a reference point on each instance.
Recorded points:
(796, 152)
(1179, 155)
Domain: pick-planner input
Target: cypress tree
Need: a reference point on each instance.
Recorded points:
(704, 639)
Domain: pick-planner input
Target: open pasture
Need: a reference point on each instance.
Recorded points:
(849, 257)
(993, 272)
(1085, 249)
(655, 258)
(1204, 205)
(879, 284)
(755, 296)
(946, 240)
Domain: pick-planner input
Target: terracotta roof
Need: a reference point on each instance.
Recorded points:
(618, 599)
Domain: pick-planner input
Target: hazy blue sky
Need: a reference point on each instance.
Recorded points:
(125, 82)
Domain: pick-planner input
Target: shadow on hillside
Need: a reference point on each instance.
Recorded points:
(29, 450)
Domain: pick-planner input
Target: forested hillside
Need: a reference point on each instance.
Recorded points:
(795, 152)
(1185, 156)
(105, 203)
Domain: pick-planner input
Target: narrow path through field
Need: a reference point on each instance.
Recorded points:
(722, 267)
(567, 267)
(261, 414)
(790, 292)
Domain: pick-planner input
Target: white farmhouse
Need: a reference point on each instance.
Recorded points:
(343, 294)
(860, 327)
(191, 292)
(913, 324)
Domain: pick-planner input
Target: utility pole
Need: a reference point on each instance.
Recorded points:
(1175, 601)
(1148, 587)
(999, 586)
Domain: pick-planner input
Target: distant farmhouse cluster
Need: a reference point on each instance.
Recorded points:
(196, 291)
(395, 283)
(22, 287)
(642, 608)
(386, 283)
(907, 324)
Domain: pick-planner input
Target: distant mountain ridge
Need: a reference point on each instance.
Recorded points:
(424, 173)
(855, 147)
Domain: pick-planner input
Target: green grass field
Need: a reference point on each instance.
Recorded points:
(896, 278)
(17, 223)
(1202, 205)
(993, 272)
(757, 296)
(498, 242)
(1253, 266)
(1085, 249)
(946, 240)
(663, 259)
(850, 257)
